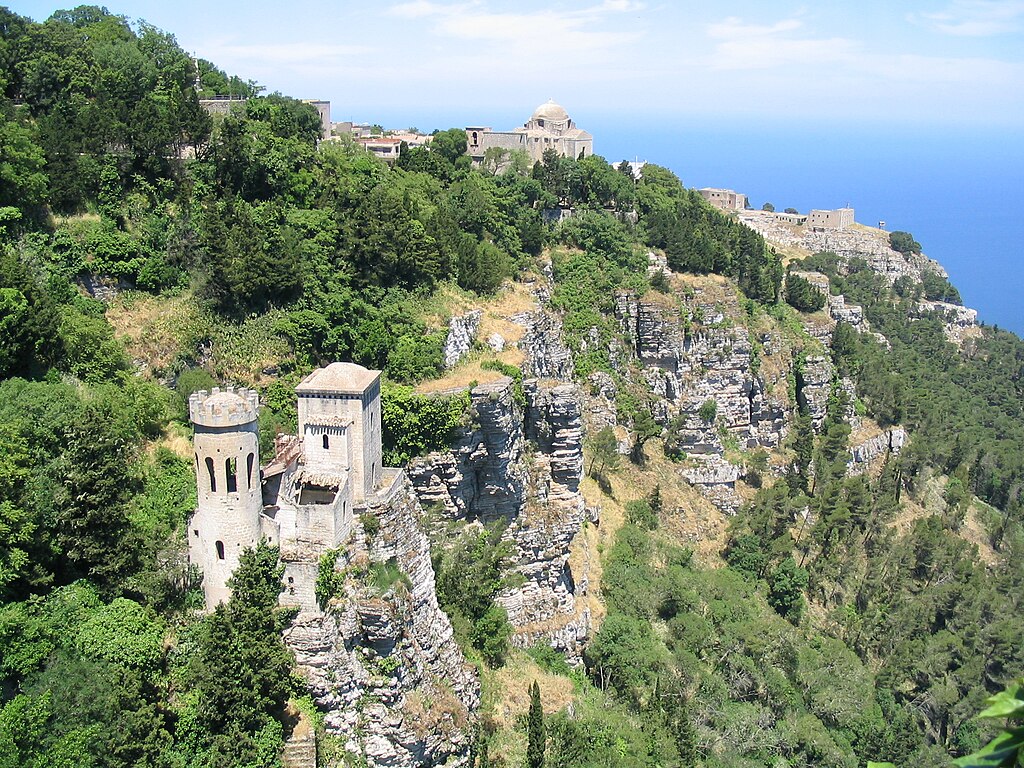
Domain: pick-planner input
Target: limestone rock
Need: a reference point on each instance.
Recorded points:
(716, 479)
(960, 322)
(489, 475)
(816, 378)
(547, 356)
(496, 342)
(890, 442)
(461, 335)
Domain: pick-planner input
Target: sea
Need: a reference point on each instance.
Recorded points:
(957, 191)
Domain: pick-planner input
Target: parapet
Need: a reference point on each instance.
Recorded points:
(228, 408)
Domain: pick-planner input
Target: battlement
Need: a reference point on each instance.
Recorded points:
(223, 408)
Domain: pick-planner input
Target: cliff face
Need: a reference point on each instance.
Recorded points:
(382, 662)
(521, 465)
(692, 353)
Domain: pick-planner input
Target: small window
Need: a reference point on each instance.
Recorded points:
(195, 532)
(327, 442)
(250, 461)
(213, 477)
(231, 470)
(220, 550)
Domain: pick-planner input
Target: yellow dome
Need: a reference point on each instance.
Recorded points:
(550, 111)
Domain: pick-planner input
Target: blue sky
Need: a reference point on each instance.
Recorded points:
(955, 62)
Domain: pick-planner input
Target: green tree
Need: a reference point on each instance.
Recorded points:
(802, 295)
(904, 242)
(241, 671)
(604, 448)
(644, 428)
(536, 739)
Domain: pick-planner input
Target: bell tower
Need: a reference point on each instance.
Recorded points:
(230, 496)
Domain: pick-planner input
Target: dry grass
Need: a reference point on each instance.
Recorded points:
(514, 681)
(155, 329)
(176, 438)
(929, 502)
(513, 299)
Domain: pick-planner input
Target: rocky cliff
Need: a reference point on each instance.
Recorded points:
(381, 662)
(520, 462)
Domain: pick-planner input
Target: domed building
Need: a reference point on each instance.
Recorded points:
(550, 127)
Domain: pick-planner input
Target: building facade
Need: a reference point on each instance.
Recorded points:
(550, 127)
(840, 218)
(724, 199)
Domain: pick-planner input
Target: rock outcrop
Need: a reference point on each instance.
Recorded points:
(961, 322)
(692, 355)
(462, 330)
(689, 360)
(814, 385)
(382, 662)
(865, 452)
(547, 356)
(520, 463)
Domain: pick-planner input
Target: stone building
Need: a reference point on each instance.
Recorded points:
(387, 148)
(840, 218)
(550, 127)
(304, 501)
(724, 199)
(323, 108)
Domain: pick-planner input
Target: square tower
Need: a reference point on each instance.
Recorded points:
(339, 423)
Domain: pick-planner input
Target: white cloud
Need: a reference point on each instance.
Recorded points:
(753, 46)
(974, 18)
(548, 31)
(733, 28)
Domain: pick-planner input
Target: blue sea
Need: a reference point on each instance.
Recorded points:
(958, 192)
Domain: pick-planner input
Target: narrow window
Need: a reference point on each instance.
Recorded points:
(231, 470)
(213, 477)
(327, 442)
(195, 532)
(250, 460)
(220, 550)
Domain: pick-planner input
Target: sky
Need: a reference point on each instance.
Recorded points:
(946, 61)
(911, 111)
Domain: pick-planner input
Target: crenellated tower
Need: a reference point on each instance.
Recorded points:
(230, 499)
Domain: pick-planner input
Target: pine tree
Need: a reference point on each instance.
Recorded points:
(535, 730)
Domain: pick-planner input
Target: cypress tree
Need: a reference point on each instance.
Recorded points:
(535, 730)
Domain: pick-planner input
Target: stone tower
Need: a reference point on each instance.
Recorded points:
(227, 518)
(339, 423)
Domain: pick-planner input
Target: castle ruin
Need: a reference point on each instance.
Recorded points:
(304, 501)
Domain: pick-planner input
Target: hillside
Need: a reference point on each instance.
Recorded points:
(733, 493)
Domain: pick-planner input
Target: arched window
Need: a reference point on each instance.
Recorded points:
(327, 442)
(220, 550)
(250, 461)
(213, 477)
(231, 470)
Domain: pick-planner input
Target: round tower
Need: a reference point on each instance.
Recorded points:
(227, 464)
